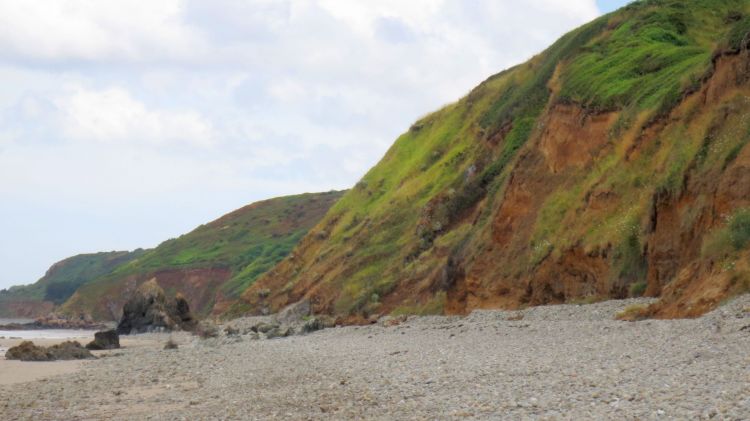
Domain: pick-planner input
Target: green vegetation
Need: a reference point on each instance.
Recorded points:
(437, 193)
(739, 229)
(638, 289)
(633, 313)
(724, 242)
(651, 54)
(63, 278)
(246, 242)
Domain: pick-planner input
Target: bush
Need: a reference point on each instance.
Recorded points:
(735, 236)
(633, 313)
(638, 289)
(739, 229)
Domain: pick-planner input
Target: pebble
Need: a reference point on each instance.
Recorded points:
(559, 362)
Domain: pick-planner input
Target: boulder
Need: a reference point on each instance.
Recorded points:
(294, 313)
(280, 332)
(264, 327)
(312, 325)
(171, 344)
(27, 351)
(151, 310)
(107, 339)
(69, 351)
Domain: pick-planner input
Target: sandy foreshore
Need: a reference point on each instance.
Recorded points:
(547, 363)
(13, 372)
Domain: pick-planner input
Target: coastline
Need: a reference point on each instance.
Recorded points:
(555, 362)
(15, 372)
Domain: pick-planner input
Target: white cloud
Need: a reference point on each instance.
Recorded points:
(112, 115)
(71, 30)
(193, 107)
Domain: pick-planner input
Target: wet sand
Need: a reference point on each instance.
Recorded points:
(14, 372)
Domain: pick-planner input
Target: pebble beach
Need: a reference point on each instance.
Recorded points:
(567, 362)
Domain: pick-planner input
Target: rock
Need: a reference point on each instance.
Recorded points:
(280, 332)
(312, 325)
(294, 313)
(171, 344)
(56, 321)
(27, 351)
(264, 327)
(390, 321)
(150, 310)
(206, 330)
(69, 351)
(107, 339)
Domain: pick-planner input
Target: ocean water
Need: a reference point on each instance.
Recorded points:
(46, 334)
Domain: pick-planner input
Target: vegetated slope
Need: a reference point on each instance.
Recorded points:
(613, 164)
(59, 283)
(214, 263)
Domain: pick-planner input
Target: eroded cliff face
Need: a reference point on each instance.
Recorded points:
(198, 286)
(211, 265)
(543, 186)
(669, 250)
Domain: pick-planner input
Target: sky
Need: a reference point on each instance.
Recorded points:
(126, 123)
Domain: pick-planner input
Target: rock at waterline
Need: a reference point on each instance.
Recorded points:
(27, 351)
(108, 339)
(150, 310)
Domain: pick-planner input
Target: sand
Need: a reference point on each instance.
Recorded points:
(547, 363)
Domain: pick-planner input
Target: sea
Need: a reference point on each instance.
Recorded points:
(62, 334)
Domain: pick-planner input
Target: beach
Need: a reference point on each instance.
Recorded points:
(557, 362)
(13, 372)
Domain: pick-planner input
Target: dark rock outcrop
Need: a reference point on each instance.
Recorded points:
(150, 310)
(107, 339)
(27, 351)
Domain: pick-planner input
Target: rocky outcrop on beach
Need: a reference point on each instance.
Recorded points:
(27, 351)
(151, 310)
(295, 319)
(107, 339)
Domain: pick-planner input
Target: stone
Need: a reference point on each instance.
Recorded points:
(206, 330)
(151, 310)
(264, 327)
(312, 325)
(280, 332)
(107, 339)
(294, 313)
(70, 350)
(391, 321)
(27, 351)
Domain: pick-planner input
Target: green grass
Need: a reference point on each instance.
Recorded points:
(247, 242)
(739, 229)
(724, 242)
(654, 53)
(65, 277)
(437, 190)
